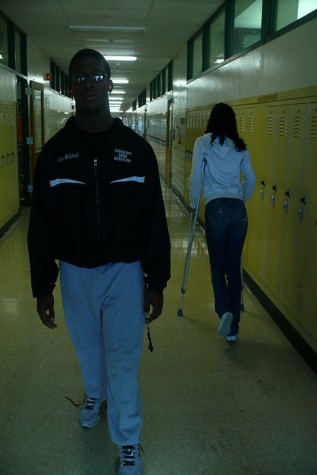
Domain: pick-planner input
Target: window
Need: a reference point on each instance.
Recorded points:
(288, 11)
(18, 58)
(198, 54)
(4, 53)
(247, 23)
(217, 41)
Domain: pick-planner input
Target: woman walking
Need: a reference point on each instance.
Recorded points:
(228, 182)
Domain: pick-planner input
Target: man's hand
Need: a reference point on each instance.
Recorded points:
(45, 309)
(154, 300)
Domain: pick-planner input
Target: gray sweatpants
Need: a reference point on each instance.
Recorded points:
(104, 313)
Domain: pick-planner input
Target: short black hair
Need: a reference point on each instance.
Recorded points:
(89, 52)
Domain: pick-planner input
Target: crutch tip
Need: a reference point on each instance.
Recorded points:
(180, 312)
(242, 307)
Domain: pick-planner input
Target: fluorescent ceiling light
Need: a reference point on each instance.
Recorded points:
(120, 81)
(114, 29)
(119, 58)
(117, 91)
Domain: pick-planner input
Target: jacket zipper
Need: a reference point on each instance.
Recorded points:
(97, 197)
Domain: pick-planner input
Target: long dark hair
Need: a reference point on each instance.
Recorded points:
(222, 123)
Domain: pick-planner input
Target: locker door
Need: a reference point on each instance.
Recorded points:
(290, 195)
(277, 215)
(305, 293)
(261, 145)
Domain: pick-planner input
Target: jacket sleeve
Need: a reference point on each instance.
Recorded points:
(156, 257)
(195, 177)
(44, 270)
(249, 179)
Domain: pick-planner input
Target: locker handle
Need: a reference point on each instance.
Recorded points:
(273, 197)
(288, 193)
(304, 199)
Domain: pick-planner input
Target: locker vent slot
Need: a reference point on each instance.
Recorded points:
(242, 123)
(298, 126)
(313, 129)
(250, 123)
(270, 124)
(283, 125)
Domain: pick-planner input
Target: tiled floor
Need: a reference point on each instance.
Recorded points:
(209, 408)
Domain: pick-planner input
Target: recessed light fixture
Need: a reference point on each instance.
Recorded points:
(119, 81)
(119, 58)
(114, 29)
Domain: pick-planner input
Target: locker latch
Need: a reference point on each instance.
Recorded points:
(263, 183)
(288, 194)
(273, 197)
(303, 201)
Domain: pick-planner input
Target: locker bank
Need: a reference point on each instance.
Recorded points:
(209, 407)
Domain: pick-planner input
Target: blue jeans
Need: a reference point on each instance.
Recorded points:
(226, 225)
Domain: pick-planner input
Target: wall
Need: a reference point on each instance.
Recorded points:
(9, 186)
(273, 90)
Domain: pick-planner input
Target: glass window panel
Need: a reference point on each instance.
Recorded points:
(198, 55)
(247, 24)
(17, 51)
(217, 41)
(289, 11)
(4, 56)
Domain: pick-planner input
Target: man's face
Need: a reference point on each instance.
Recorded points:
(90, 96)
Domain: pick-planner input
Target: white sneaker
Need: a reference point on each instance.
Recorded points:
(225, 324)
(130, 460)
(231, 337)
(90, 413)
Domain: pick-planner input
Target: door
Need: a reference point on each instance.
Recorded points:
(169, 141)
(37, 122)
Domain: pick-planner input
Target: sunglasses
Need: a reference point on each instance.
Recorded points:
(83, 78)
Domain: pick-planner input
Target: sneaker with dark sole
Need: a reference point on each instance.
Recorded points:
(90, 413)
(231, 338)
(225, 324)
(130, 460)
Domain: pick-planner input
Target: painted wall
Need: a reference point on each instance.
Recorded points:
(273, 90)
(9, 186)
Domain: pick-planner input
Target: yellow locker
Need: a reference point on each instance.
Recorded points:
(275, 210)
(261, 145)
(9, 189)
(305, 292)
(290, 194)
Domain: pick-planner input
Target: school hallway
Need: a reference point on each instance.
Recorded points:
(209, 407)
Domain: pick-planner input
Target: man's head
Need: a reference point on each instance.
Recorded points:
(93, 53)
(89, 74)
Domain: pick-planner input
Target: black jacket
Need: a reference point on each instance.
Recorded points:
(97, 199)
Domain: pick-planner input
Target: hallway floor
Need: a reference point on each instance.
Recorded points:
(209, 407)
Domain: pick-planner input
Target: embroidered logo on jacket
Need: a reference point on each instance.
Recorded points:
(68, 156)
(122, 155)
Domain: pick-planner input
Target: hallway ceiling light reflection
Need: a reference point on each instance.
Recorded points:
(119, 58)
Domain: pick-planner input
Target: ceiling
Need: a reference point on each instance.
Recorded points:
(160, 29)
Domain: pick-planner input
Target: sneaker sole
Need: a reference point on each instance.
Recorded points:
(231, 339)
(225, 324)
(86, 425)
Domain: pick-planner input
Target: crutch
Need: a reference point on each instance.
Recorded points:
(191, 235)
